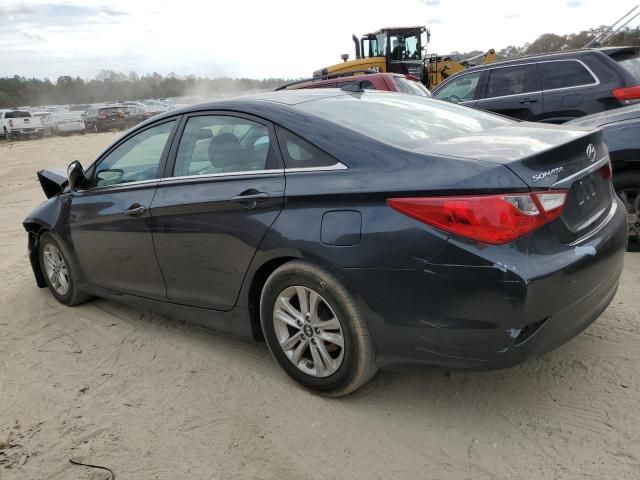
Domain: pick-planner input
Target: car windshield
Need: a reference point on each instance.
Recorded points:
(405, 121)
(18, 114)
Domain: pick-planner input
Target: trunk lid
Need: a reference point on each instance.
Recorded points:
(548, 157)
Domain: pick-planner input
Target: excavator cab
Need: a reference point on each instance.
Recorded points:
(398, 50)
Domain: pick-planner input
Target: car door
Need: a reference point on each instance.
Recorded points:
(223, 192)
(569, 90)
(462, 88)
(513, 91)
(110, 220)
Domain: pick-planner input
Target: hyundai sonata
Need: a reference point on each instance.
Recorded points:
(350, 230)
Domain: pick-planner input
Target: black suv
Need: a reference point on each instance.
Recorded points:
(554, 87)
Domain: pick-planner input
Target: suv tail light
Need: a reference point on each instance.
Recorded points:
(493, 219)
(627, 93)
(102, 116)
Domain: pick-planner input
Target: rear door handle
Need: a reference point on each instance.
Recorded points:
(135, 210)
(528, 101)
(250, 198)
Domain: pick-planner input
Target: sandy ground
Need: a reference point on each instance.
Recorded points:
(154, 398)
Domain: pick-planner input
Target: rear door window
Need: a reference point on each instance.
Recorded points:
(511, 81)
(564, 74)
(459, 89)
(223, 144)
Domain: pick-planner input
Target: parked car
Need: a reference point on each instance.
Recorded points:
(136, 114)
(408, 230)
(392, 82)
(63, 123)
(20, 123)
(621, 128)
(100, 119)
(553, 88)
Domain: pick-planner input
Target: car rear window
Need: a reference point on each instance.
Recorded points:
(18, 114)
(630, 62)
(405, 121)
(404, 85)
(563, 74)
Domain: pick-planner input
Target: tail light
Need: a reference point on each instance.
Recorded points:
(493, 219)
(11, 123)
(102, 116)
(147, 114)
(627, 93)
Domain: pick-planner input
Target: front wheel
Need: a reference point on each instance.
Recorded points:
(315, 330)
(627, 186)
(59, 272)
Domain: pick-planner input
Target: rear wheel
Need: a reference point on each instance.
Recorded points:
(627, 186)
(59, 272)
(315, 330)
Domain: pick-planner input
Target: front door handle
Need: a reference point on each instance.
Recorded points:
(527, 101)
(250, 198)
(135, 210)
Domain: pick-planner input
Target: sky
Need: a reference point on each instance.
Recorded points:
(260, 38)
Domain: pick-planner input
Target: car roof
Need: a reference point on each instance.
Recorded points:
(552, 56)
(346, 78)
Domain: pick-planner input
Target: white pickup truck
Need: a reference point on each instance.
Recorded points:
(20, 123)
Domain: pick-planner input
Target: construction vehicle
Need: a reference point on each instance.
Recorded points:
(401, 50)
(440, 67)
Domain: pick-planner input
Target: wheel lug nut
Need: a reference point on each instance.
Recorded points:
(313, 340)
(302, 337)
(317, 330)
(299, 323)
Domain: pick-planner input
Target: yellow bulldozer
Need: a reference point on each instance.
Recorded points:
(401, 50)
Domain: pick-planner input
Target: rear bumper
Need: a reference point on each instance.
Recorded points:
(70, 127)
(26, 132)
(482, 307)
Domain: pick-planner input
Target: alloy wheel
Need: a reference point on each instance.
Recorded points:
(56, 269)
(308, 331)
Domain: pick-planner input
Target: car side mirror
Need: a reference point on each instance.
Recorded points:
(75, 175)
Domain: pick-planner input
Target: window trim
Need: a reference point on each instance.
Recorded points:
(161, 165)
(171, 158)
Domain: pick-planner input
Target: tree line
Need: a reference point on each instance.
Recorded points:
(551, 42)
(112, 86)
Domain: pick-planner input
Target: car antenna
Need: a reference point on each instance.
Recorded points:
(356, 87)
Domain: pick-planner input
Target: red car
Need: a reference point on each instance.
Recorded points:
(391, 82)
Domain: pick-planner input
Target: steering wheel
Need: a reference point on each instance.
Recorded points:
(454, 98)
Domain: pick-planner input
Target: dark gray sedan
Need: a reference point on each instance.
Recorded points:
(351, 230)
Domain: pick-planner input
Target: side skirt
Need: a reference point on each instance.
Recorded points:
(235, 322)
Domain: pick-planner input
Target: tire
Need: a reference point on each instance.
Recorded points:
(627, 186)
(351, 365)
(50, 247)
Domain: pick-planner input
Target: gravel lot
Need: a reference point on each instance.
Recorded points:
(154, 398)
